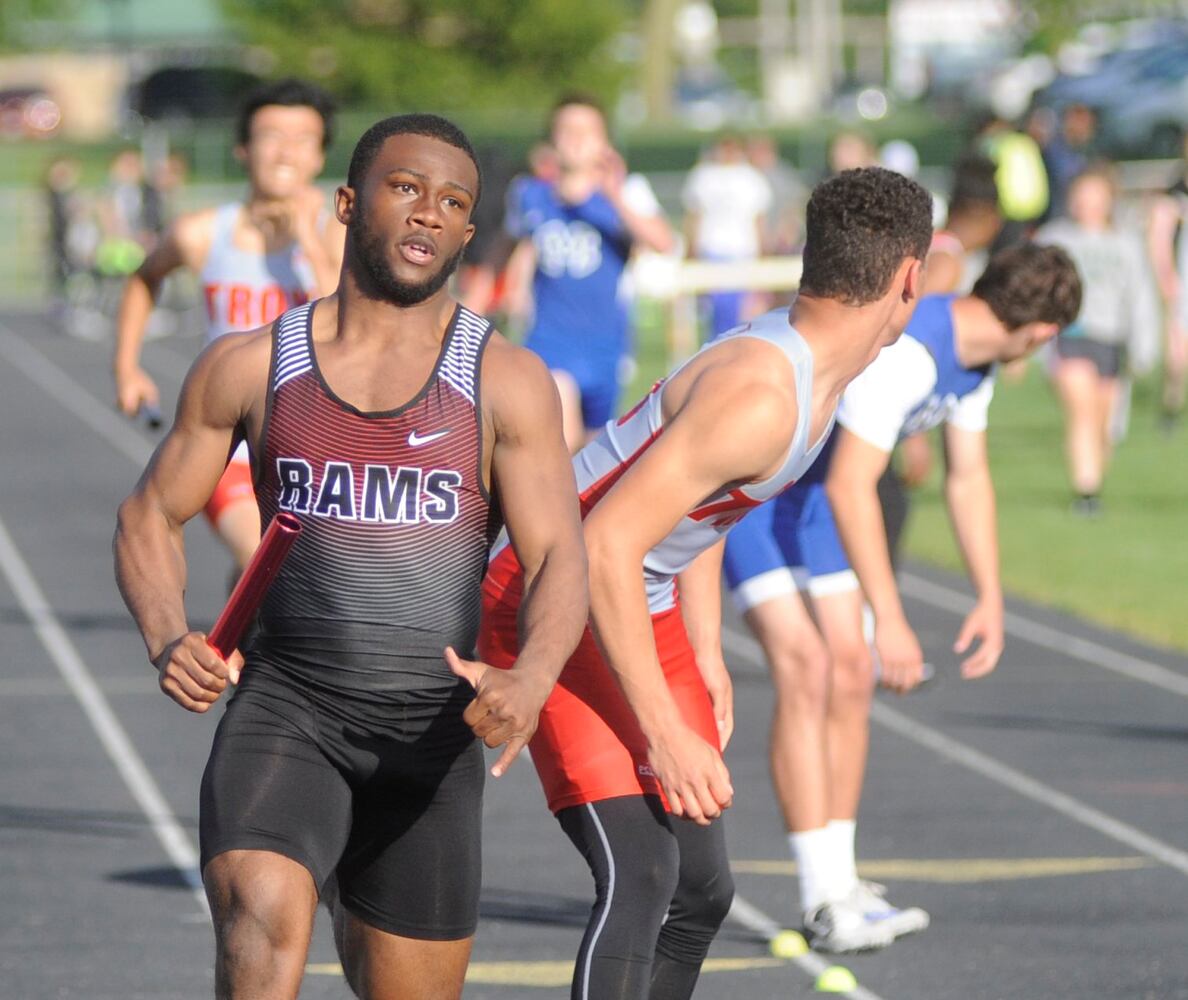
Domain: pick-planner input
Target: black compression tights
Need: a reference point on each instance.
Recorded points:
(646, 865)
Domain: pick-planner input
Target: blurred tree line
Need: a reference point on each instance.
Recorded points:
(449, 55)
(17, 15)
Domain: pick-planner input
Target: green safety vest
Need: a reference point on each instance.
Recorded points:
(1021, 178)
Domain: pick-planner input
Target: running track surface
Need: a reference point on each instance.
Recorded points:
(1039, 815)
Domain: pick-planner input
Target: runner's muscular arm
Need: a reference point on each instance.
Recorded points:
(969, 494)
(700, 588)
(186, 244)
(532, 474)
(699, 451)
(852, 488)
(149, 551)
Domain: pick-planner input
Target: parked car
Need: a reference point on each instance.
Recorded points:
(1140, 96)
(28, 113)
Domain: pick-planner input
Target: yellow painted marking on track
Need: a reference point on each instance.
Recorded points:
(955, 870)
(324, 969)
(545, 974)
(520, 973)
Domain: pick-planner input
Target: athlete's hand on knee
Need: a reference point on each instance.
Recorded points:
(693, 775)
(134, 388)
(505, 709)
(900, 655)
(193, 674)
(983, 624)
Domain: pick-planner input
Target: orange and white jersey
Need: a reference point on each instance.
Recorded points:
(621, 443)
(245, 290)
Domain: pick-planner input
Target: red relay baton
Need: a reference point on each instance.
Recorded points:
(253, 584)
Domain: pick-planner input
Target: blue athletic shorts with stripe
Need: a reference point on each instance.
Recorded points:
(597, 375)
(790, 543)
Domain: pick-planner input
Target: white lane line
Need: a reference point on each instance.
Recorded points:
(1047, 637)
(747, 648)
(754, 919)
(74, 397)
(112, 735)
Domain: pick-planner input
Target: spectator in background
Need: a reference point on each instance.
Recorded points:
(726, 202)
(64, 211)
(782, 224)
(497, 280)
(486, 253)
(1119, 305)
(960, 248)
(851, 150)
(579, 230)
(127, 214)
(1066, 155)
(162, 192)
(1020, 174)
(1167, 242)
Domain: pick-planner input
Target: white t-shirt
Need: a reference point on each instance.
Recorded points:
(729, 199)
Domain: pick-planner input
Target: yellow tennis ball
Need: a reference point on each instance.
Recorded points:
(788, 944)
(836, 979)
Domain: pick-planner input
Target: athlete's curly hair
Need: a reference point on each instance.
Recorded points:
(433, 126)
(288, 93)
(1031, 284)
(860, 226)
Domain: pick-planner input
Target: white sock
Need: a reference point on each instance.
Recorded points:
(816, 867)
(841, 838)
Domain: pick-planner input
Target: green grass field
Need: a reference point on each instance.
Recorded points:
(1125, 569)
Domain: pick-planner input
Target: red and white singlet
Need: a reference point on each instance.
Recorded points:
(588, 745)
(244, 290)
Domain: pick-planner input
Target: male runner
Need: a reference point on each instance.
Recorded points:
(581, 229)
(277, 248)
(400, 431)
(940, 372)
(955, 259)
(636, 725)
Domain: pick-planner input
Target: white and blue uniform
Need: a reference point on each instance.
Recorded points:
(913, 385)
(581, 323)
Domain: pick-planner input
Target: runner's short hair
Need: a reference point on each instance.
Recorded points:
(860, 226)
(288, 93)
(1031, 284)
(433, 126)
(575, 98)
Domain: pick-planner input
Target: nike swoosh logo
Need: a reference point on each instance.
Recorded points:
(415, 440)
